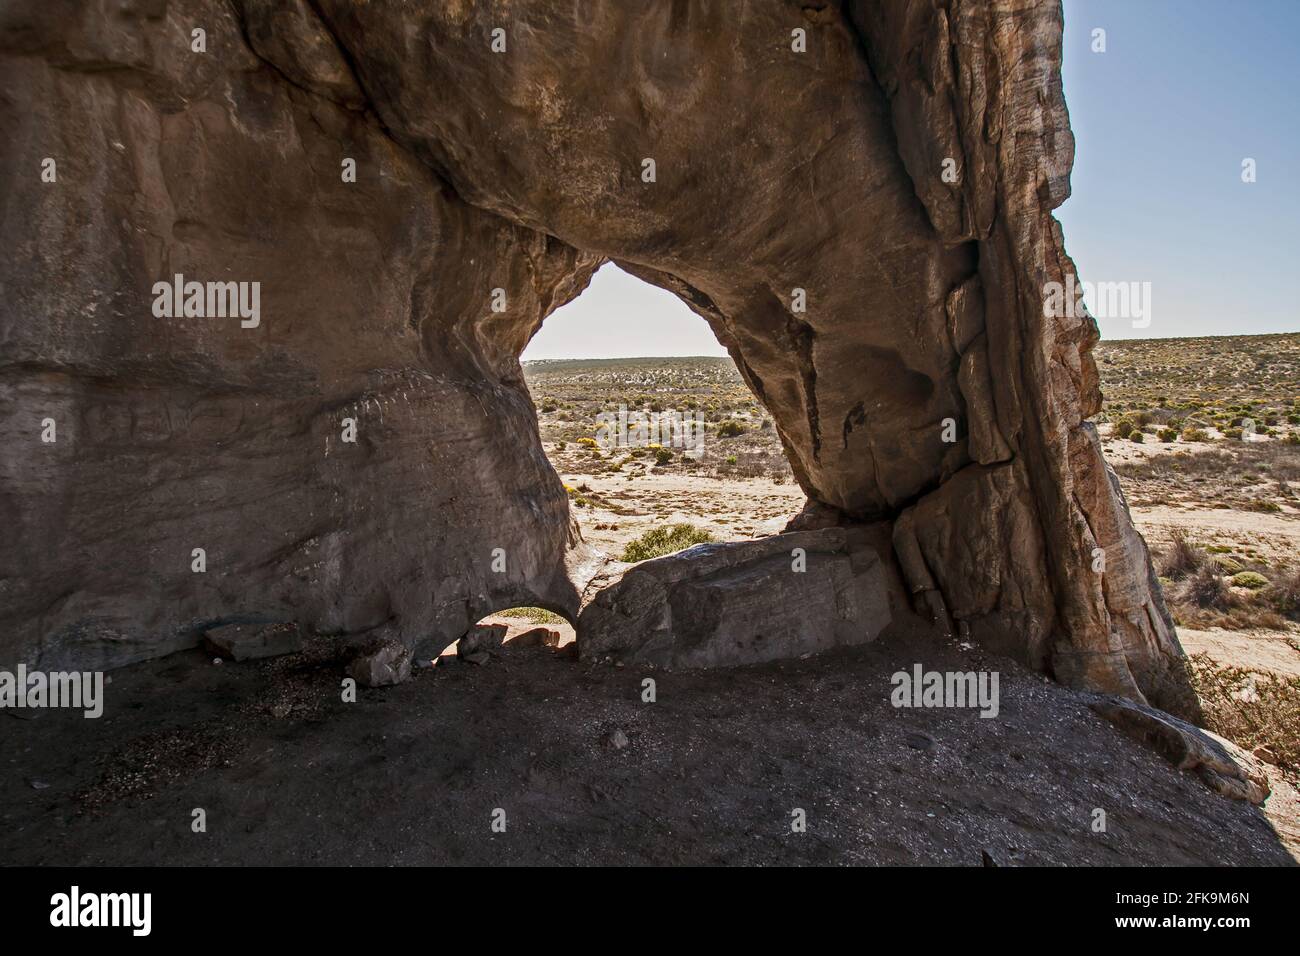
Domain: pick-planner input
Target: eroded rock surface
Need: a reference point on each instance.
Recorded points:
(521, 170)
(714, 605)
(1222, 765)
(250, 642)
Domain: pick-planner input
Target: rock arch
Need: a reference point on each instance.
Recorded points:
(521, 170)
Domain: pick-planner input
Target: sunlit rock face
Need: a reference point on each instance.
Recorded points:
(856, 197)
(743, 602)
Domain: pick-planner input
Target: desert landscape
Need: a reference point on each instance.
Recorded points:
(1204, 435)
(920, 574)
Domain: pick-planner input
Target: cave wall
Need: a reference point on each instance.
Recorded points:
(522, 169)
(175, 434)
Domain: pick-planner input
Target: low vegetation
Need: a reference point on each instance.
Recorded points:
(533, 615)
(657, 542)
(1231, 591)
(1192, 427)
(1260, 712)
(740, 440)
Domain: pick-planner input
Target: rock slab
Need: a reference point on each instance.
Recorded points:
(247, 642)
(718, 605)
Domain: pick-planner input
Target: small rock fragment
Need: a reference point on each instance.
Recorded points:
(382, 664)
(918, 741)
(1266, 754)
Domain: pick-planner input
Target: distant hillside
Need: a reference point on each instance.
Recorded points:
(1223, 369)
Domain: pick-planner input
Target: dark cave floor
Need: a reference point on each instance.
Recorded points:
(713, 770)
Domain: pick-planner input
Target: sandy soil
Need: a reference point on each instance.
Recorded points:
(622, 508)
(1274, 535)
(1275, 652)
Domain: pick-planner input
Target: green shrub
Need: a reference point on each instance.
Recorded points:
(663, 456)
(1137, 437)
(1251, 580)
(1124, 428)
(657, 542)
(534, 615)
(730, 428)
(1227, 565)
(1167, 434)
(1195, 434)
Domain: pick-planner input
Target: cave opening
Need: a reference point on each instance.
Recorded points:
(658, 440)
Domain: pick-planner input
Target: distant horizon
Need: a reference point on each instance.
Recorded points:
(725, 355)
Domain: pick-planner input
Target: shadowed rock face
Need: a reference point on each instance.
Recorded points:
(779, 176)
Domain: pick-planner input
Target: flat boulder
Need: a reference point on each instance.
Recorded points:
(717, 605)
(1223, 766)
(247, 642)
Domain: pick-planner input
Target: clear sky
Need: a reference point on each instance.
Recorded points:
(619, 316)
(1162, 121)
(1185, 90)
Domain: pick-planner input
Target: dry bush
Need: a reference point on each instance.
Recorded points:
(1283, 593)
(1204, 599)
(1252, 710)
(1205, 589)
(1181, 559)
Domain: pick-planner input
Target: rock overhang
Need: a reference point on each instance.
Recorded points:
(521, 170)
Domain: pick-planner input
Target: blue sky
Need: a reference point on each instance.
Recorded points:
(1185, 90)
(1162, 120)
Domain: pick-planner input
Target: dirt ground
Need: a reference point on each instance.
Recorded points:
(619, 509)
(712, 770)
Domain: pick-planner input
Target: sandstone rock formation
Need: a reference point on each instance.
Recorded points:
(1222, 765)
(501, 152)
(741, 603)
